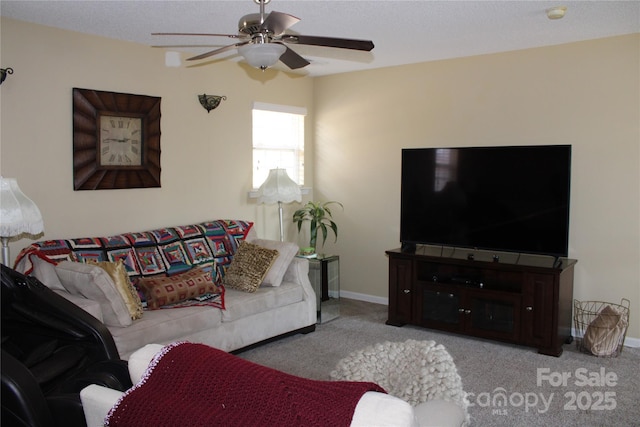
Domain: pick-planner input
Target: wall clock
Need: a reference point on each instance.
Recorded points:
(116, 140)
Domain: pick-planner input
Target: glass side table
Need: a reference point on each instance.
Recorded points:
(324, 275)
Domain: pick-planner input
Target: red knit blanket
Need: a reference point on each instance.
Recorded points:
(196, 385)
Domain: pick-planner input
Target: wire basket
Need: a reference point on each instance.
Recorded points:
(601, 327)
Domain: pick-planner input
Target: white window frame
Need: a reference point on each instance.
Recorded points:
(281, 148)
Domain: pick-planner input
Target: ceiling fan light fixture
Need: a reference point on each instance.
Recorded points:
(262, 55)
(556, 12)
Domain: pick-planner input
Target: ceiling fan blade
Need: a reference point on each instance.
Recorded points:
(292, 60)
(169, 46)
(278, 22)
(216, 51)
(329, 42)
(233, 36)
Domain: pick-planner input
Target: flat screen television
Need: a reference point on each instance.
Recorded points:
(512, 198)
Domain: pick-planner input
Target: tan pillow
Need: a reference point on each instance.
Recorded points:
(164, 290)
(92, 282)
(119, 275)
(249, 267)
(286, 250)
(604, 333)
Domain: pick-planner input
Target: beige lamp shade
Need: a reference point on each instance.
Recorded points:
(19, 215)
(278, 187)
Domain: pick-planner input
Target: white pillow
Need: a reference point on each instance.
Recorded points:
(45, 272)
(286, 252)
(92, 282)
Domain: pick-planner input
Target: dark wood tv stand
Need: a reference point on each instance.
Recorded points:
(516, 298)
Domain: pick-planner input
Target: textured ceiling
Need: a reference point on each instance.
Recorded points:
(403, 31)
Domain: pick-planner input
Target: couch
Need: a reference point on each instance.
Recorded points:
(372, 409)
(169, 284)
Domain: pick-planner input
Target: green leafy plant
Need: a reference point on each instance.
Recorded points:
(320, 218)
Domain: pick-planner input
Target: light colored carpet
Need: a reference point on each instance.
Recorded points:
(508, 385)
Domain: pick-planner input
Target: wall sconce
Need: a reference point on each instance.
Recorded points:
(4, 72)
(210, 102)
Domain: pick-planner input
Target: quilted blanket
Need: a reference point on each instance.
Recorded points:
(197, 385)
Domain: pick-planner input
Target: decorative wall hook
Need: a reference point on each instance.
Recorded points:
(210, 102)
(4, 72)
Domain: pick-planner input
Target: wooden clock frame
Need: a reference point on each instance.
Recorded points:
(88, 173)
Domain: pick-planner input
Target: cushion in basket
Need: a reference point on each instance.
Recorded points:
(249, 267)
(604, 333)
(286, 250)
(164, 290)
(120, 278)
(92, 282)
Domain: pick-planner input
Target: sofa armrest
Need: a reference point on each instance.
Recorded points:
(97, 401)
(298, 272)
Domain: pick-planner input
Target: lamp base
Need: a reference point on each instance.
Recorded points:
(5, 251)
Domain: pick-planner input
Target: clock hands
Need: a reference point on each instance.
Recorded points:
(117, 140)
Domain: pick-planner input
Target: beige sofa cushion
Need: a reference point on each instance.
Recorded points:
(94, 283)
(241, 304)
(164, 326)
(286, 252)
(90, 306)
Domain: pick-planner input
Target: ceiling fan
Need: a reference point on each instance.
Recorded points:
(263, 40)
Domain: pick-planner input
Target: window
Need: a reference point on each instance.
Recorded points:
(278, 141)
(446, 167)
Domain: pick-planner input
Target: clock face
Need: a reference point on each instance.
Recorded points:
(120, 141)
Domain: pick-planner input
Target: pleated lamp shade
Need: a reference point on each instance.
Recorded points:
(278, 187)
(18, 215)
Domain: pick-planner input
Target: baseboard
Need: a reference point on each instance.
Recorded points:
(632, 342)
(628, 342)
(364, 297)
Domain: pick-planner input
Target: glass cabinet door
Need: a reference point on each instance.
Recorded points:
(493, 315)
(441, 308)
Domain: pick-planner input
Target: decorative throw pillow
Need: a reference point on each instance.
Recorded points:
(92, 282)
(120, 278)
(164, 290)
(249, 267)
(45, 272)
(286, 252)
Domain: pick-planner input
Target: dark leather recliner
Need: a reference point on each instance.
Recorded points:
(51, 349)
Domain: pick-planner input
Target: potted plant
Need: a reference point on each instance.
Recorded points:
(320, 218)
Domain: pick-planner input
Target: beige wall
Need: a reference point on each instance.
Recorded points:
(584, 94)
(206, 158)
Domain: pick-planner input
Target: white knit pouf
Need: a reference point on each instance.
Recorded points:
(414, 371)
